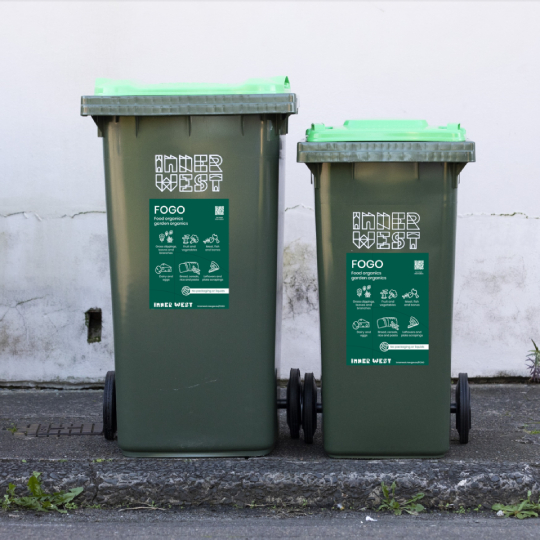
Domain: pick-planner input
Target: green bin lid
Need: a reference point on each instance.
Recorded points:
(385, 131)
(128, 98)
(111, 87)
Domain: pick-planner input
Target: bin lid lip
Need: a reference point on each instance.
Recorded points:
(385, 131)
(113, 87)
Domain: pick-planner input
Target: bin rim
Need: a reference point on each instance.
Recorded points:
(218, 104)
(386, 152)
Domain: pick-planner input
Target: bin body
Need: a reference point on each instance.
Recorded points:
(194, 221)
(386, 355)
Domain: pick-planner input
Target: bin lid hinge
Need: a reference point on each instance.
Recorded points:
(456, 170)
(459, 167)
(316, 169)
(283, 124)
(99, 123)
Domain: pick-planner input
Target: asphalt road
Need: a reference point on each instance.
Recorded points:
(248, 523)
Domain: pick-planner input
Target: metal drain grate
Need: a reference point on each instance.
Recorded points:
(57, 430)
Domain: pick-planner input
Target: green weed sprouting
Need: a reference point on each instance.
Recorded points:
(524, 509)
(533, 363)
(39, 500)
(398, 506)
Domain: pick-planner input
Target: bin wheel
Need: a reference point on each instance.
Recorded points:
(309, 410)
(463, 408)
(109, 406)
(294, 403)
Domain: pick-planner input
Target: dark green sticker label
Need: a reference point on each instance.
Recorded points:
(388, 309)
(189, 254)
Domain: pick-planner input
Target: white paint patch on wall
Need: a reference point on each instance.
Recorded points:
(56, 270)
(497, 292)
(300, 337)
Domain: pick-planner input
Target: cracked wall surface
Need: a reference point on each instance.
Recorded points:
(53, 246)
(300, 336)
(497, 286)
(54, 269)
(51, 272)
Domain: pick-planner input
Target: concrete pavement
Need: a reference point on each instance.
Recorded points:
(501, 462)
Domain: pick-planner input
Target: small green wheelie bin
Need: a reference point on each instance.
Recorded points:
(193, 176)
(385, 210)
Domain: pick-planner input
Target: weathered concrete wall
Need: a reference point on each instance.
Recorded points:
(427, 60)
(53, 270)
(496, 312)
(496, 309)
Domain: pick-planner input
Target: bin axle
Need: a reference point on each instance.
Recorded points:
(282, 404)
(302, 406)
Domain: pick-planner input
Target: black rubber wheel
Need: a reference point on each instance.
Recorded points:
(463, 408)
(294, 403)
(109, 407)
(309, 407)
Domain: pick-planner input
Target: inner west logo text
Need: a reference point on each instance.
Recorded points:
(188, 173)
(387, 231)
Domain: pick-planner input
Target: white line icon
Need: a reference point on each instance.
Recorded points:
(413, 322)
(365, 289)
(360, 323)
(212, 239)
(215, 162)
(164, 182)
(214, 267)
(163, 268)
(167, 235)
(384, 346)
(201, 163)
(171, 164)
(185, 291)
(189, 239)
(185, 164)
(413, 292)
(386, 322)
(392, 294)
(215, 179)
(189, 267)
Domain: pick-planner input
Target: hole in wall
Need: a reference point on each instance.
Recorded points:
(93, 323)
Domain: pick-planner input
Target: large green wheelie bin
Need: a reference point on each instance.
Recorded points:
(194, 211)
(385, 209)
